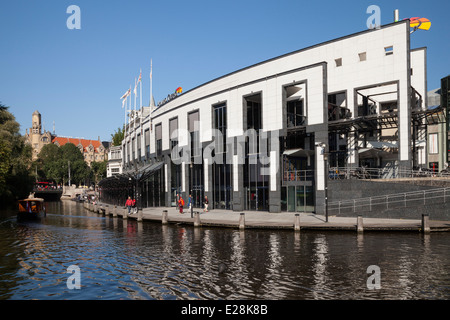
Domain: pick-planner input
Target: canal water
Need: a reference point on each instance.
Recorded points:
(120, 259)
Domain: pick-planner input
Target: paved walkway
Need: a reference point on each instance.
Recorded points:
(257, 219)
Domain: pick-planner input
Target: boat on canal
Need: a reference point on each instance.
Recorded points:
(31, 209)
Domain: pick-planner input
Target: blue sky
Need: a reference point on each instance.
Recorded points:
(76, 77)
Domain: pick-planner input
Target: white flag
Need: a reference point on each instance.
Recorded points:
(126, 94)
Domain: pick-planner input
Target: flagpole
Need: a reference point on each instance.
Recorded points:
(151, 89)
(140, 94)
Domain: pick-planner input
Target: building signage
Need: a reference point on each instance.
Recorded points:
(171, 96)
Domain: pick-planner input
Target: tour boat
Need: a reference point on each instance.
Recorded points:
(31, 208)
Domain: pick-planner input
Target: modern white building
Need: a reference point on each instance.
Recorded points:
(263, 137)
(115, 160)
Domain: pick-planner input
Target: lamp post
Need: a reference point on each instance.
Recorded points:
(325, 159)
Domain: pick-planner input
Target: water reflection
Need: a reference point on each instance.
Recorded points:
(124, 259)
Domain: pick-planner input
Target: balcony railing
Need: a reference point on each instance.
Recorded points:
(295, 120)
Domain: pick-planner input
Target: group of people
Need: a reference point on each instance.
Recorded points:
(131, 204)
(180, 203)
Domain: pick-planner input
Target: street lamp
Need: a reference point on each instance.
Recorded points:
(325, 159)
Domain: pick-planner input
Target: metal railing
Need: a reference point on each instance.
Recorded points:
(341, 173)
(390, 201)
(298, 175)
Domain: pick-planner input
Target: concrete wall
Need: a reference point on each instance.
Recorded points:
(339, 190)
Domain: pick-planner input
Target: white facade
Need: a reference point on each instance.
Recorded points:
(114, 166)
(374, 63)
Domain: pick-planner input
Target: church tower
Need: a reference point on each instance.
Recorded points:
(36, 138)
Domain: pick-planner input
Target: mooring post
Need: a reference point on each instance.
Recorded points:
(242, 221)
(140, 215)
(425, 223)
(297, 222)
(164, 217)
(359, 224)
(197, 222)
(115, 211)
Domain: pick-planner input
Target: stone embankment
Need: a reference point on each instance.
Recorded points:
(265, 220)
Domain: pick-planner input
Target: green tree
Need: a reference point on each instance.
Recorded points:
(98, 170)
(15, 179)
(117, 137)
(48, 163)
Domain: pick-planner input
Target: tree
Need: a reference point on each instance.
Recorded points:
(15, 160)
(98, 170)
(117, 137)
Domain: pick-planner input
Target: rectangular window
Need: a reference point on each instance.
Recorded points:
(147, 143)
(254, 111)
(389, 50)
(194, 127)
(433, 146)
(338, 62)
(158, 138)
(220, 123)
(362, 56)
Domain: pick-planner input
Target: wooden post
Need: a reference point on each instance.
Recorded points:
(242, 221)
(140, 215)
(164, 217)
(359, 224)
(115, 211)
(297, 222)
(197, 222)
(425, 223)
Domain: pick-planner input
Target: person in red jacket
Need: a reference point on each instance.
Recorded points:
(129, 204)
(181, 204)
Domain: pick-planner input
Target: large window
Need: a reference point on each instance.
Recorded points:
(221, 172)
(254, 112)
(295, 109)
(158, 138)
(147, 143)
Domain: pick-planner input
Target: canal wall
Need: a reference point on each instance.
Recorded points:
(396, 198)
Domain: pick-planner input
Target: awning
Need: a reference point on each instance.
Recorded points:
(366, 153)
(382, 145)
(298, 153)
(141, 174)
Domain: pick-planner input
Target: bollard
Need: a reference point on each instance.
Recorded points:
(242, 221)
(140, 215)
(164, 217)
(425, 223)
(197, 222)
(125, 214)
(115, 211)
(359, 224)
(297, 222)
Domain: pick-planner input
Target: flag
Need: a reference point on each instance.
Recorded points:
(140, 77)
(126, 94)
(135, 87)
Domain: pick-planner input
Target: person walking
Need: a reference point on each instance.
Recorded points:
(181, 204)
(133, 205)
(129, 204)
(190, 202)
(206, 202)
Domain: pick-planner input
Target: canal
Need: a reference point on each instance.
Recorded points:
(120, 259)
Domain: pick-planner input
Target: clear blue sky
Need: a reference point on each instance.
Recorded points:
(76, 77)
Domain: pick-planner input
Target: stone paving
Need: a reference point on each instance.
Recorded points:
(258, 219)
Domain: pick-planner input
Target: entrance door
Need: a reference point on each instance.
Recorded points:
(262, 198)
